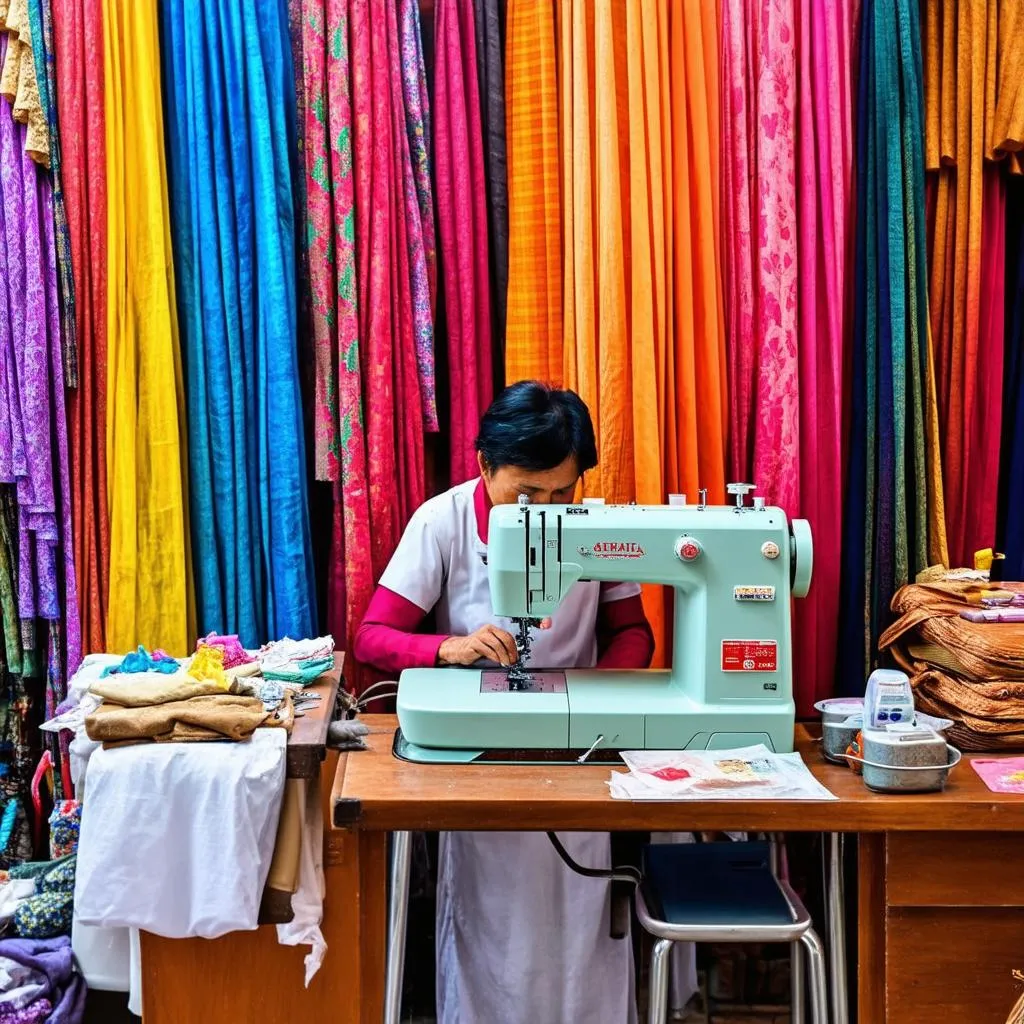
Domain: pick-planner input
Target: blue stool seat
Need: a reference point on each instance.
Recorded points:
(722, 892)
(713, 884)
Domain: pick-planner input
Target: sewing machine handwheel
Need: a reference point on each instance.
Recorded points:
(802, 553)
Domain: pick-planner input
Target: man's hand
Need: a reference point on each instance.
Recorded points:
(489, 642)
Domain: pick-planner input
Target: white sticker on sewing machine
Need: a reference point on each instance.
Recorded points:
(750, 656)
(753, 593)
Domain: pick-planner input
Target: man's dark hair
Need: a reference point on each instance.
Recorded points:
(533, 426)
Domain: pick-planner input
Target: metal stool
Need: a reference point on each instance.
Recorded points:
(721, 892)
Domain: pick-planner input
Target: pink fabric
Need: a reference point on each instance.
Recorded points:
(981, 469)
(387, 638)
(462, 226)
(787, 220)
(624, 636)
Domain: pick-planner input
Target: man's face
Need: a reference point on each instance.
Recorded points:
(542, 486)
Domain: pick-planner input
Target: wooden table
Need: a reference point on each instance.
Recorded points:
(940, 891)
(249, 976)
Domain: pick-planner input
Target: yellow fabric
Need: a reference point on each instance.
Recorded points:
(533, 333)
(208, 664)
(150, 597)
(18, 82)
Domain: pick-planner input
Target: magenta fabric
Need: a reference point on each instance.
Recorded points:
(462, 227)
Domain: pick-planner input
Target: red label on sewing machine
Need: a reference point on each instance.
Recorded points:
(750, 656)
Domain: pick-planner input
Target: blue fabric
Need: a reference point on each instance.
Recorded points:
(1012, 490)
(230, 105)
(857, 520)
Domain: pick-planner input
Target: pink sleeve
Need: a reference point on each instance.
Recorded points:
(624, 637)
(387, 639)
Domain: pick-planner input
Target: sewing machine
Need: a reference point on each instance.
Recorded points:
(733, 570)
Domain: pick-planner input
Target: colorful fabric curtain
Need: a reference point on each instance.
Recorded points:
(490, 63)
(533, 329)
(1012, 489)
(894, 524)
(150, 599)
(33, 435)
(230, 104)
(79, 52)
(462, 228)
(964, 48)
(787, 179)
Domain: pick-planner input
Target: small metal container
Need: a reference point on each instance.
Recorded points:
(915, 759)
(841, 720)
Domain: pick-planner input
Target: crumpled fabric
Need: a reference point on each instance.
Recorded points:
(208, 663)
(54, 960)
(286, 653)
(231, 647)
(142, 661)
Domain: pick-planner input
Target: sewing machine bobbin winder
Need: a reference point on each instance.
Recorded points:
(733, 570)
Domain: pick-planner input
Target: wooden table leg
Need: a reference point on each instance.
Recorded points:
(871, 928)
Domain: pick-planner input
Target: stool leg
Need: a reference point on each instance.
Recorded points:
(398, 915)
(816, 971)
(836, 900)
(657, 994)
(798, 996)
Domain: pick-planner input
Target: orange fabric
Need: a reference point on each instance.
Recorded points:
(642, 325)
(533, 344)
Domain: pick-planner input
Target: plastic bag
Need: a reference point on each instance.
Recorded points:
(747, 773)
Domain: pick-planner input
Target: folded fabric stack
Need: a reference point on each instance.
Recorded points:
(38, 982)
(969, 672)
(299, 662)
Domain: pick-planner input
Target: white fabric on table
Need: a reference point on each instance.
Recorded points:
(521, 939)
(177, 838)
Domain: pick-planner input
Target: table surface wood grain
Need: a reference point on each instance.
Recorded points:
(374, 790)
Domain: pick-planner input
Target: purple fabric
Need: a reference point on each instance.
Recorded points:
(53, 959)
(34, 1013)
(33, 428)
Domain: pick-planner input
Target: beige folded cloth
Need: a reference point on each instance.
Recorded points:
(220, 716)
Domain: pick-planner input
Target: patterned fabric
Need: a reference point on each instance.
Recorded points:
(760, 224)
(419, 203)
(462, 226)
(79, 52)
(32, 419)
(19, 81)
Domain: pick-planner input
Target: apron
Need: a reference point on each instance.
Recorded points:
(521, 939)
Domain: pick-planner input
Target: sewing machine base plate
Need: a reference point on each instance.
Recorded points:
(406, 751)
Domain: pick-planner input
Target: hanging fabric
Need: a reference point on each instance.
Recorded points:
(41, 19)
(824, 176)
(964, 48)
(79, 53)
(33, 435)
(893, 524)
(150, 598)
(462, 228)
(533, 329)
(19, 79)
(489, 17)
(330, 212)
(1012, 489)
(233, 224)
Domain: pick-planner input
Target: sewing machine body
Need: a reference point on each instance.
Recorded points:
(733, 571)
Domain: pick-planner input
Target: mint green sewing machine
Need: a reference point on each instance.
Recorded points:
(733, 570)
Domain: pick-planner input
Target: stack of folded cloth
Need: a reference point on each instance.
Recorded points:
(193, 702)
(969, 672)
(299, 662)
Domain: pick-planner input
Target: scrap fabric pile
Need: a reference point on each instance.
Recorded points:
(964, 663)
